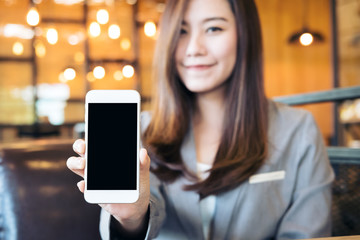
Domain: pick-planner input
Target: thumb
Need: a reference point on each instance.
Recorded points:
(144, 176)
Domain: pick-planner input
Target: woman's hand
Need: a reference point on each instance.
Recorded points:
(130, 215)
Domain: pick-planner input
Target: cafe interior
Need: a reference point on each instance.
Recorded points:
(52, 52)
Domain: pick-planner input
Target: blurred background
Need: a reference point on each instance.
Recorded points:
(53, 51)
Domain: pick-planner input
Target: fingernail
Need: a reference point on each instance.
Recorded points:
(77, 147)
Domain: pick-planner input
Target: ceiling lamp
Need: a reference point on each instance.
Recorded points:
(305, 36)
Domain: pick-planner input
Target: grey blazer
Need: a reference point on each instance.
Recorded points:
(288, 198)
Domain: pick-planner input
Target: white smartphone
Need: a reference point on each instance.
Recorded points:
(112, 146)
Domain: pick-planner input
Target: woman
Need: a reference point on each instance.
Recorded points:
(226, 162)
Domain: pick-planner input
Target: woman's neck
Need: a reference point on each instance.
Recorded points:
(208, 125)
(210, 109)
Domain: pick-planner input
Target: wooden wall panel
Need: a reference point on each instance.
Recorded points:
(293, 69)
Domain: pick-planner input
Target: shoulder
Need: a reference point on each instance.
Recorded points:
(295, 141)
(282, 116)
(291, 129)
(283, 111)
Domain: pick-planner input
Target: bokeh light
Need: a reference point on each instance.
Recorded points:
(150, 29)
(52, 36)
(18, 48)
(99, 72)
(33, 17)
(128, 71)
(306, 39)
(114, 31)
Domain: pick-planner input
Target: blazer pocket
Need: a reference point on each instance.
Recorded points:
(267, 177)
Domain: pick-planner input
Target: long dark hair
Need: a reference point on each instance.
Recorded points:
(243, 147)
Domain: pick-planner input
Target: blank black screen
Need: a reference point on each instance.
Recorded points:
(112, 146)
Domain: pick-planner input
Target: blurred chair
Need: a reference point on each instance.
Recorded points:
(346, 191)
(39, 198)
(345, 162)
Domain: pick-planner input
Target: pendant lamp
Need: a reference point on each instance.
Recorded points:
(305, 36)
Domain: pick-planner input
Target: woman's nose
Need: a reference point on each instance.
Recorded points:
(196, 45)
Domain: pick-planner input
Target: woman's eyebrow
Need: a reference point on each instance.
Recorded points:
(184, 23)
(215, 19)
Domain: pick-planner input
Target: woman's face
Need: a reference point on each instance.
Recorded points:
(207, 48)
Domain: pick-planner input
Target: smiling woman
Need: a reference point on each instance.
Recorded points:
(217, 73)
(224, 158)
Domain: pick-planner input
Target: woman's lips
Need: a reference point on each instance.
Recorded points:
(199, 67)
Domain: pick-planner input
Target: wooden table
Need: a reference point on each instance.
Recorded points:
(357, 237)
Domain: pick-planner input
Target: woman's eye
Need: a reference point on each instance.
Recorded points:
(183, 31)
(214, 29)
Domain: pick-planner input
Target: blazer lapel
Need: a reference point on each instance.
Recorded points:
(186, 203)
(227, 204)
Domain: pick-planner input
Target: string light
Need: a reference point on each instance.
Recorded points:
(40, 49)
(90, 77)
(125, 44)
(128, 71)
(150, 29)
(99, 72)
(73, 39)
(102, 16)
(114, 31)
(94, 29)
(33, 17)
(52, 36)
(18, 48)
(69, 74)
(118, 76)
